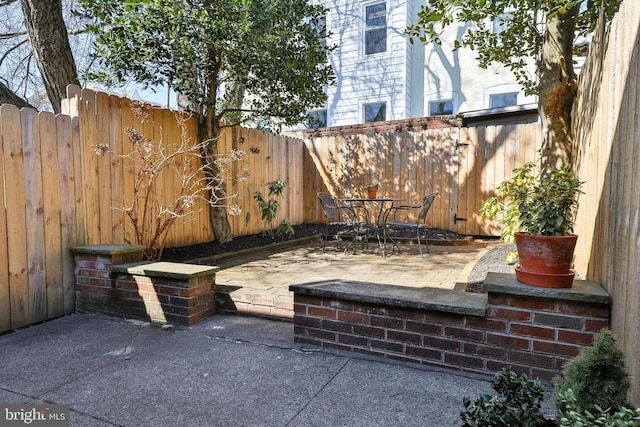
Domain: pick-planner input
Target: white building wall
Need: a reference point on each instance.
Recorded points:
(407, 76)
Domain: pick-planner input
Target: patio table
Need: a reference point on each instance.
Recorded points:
(375, 225)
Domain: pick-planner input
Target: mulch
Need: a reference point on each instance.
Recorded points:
(238, 243)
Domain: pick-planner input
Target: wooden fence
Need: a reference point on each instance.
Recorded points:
(607, 131)
(463, 164)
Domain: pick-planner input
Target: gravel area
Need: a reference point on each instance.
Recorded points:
(493, 260)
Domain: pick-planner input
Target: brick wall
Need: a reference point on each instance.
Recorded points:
(111, 279)
(534, 331)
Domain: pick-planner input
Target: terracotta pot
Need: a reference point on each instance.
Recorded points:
(545, 260)
(372, 192)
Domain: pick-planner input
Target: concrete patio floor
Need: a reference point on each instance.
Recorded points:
(258, 283)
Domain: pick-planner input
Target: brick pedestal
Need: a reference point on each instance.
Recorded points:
(112, 279)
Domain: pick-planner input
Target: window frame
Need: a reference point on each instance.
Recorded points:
(366, 30)
(363, 110)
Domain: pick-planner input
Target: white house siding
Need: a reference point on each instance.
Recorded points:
(455, 73)
(407, 76)
(362, 79)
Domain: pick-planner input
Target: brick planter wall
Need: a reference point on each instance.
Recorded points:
(533, 330)
(112, 279)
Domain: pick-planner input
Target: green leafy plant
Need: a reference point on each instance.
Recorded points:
(535, 203)
(517, 403)
(573, 415)
(597, 376)
(269, 210)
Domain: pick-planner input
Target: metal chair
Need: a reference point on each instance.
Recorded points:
(343, 217)
(391, 221)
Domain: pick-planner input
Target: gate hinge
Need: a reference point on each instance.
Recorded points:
(458, 144)
(456, 218)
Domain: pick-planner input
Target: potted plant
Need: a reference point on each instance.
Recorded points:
(537, 212)
(372, 191)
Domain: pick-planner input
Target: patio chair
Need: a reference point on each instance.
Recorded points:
(391, 222)
(343, 218)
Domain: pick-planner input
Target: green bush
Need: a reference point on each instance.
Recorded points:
(574, 416)
(597, 376)
(517, 403)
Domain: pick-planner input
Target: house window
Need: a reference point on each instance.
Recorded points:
(317, 119)
(503, 100)
(375, 32)
(441, 108)
(375, 112)
(321, 28)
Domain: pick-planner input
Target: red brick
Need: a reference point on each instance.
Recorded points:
(583, 309)
(350, 316)
(312, 322)
(495, 366)
(300, 308)
(323, 335)
(409, 314)
(387, 322)
(531, 359)
(594, 325)
(544, 375)
(337, 346)
(531, 303)
(404, 337)
(337, 326)
(485, 351)
(368, 331)
(424, 353)
(497, 299)
(446, 318)
(506, 341)
(387, 346)
(307, 299)
(510, 314)
(444, 344)
(328, 313)
(464, 360)
(352, 340)
(575, 337)
(532, 331)
(370, 309)
(555, 348)
(464, 334)
(424, 328)
(338, 304)
(484, 323)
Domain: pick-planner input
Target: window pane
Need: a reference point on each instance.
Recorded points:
(376, 15)
(375, 41)
(375, 112)
(503, 100)
(375, 35)
(317, 119)
(441, 108)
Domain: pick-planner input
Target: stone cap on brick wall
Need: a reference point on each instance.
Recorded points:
(170, 270)
(582, 290)
(443, 300)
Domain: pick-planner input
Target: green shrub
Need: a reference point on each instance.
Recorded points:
(574, 416)
(517, 403)
(597, 377)
(269, 210)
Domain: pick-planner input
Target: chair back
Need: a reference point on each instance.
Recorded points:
(330, 205)
(425, 205)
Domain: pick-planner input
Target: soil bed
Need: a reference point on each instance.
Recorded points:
(202, 250)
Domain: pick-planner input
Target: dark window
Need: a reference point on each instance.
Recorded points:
(375, 33)
(503, 100)
(375, 112)
(317, 119)
(441, 108)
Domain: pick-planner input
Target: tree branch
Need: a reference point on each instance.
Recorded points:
(8, 97)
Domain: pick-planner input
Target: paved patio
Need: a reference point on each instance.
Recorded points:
(258, 283)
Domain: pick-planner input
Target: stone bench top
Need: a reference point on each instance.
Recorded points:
(433, 299)
(171, 270)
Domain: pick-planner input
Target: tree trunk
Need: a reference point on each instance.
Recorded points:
(50, 45)
(210, 131)
(557, 89)
(8, 97)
